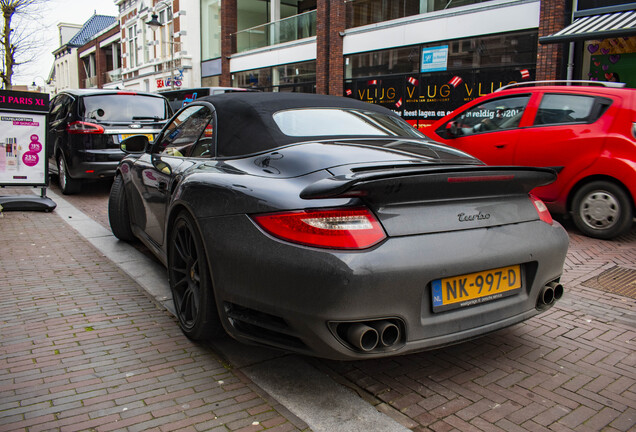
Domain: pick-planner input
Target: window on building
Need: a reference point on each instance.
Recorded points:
(385, 62)
(364, 12)
(166, 29)
(132, 46)
(210, 29)
(294, 77)
(472, 53)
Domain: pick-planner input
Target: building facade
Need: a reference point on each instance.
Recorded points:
(100, 59)
(67, 67)
(419, 58)
(166, 58)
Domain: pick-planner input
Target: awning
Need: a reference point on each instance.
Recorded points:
(601, 26)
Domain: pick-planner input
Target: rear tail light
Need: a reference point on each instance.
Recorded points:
(80, 127)
(334, 229)
(542, 209)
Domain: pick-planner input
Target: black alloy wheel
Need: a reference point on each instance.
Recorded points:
(190, 281)
(602, 209)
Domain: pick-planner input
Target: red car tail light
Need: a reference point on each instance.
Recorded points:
(355, 228)
(542, 209)
(80, 127)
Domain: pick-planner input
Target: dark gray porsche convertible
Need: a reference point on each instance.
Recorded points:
(330, 227)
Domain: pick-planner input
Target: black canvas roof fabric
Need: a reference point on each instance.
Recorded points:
(246, 124)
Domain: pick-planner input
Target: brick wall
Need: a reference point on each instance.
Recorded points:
(228, 28)
(322, 46)
(552, 58)
(330, 22)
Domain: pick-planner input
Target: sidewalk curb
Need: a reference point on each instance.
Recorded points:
(308, 393)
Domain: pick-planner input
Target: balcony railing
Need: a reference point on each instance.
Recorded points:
(286, 30)
(112, 76)
(90, 82)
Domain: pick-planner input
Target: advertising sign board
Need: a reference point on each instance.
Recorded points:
(23, 162)
(22, 138)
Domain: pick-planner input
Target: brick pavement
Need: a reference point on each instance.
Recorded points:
(83, 348)
(570, 369)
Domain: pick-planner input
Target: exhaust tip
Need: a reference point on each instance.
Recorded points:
(546, 296)
(558, 290)
(389, 332)
(363, 337)
(370, 336)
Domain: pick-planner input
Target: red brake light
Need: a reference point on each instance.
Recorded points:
(334, 229)
(80, 127)
(544, 213)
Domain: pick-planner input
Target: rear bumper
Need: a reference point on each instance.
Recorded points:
(274, 293)
(94, 164)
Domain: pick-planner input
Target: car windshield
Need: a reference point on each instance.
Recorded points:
(123, 108)
(341, 122)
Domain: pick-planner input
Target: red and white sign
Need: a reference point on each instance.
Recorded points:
(455, 81)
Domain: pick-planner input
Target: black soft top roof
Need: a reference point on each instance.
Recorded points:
(246, 125)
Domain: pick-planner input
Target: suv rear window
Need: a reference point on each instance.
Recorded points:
(122, 108)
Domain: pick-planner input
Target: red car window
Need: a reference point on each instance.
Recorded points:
(493, 115)
(564, 108)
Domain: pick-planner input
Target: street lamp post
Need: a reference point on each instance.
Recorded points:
(154, 24)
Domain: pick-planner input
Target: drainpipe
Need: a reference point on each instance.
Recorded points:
(570, 70)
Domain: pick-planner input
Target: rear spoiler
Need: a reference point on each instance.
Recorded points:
(432, 182)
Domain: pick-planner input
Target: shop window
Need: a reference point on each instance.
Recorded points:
(496, 51)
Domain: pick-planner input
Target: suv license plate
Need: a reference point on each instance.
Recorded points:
(475, 288)
(122, 137)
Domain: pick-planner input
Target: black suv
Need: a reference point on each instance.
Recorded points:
(86, 127)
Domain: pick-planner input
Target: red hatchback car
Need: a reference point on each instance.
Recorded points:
(586, 133)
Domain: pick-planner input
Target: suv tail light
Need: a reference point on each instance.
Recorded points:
(544, 213)
(355, 228)
(80, 127)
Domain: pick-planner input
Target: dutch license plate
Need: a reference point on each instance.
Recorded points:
(122, 137)
(475, 288)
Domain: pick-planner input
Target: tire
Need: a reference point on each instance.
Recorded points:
(68, 185)
(602, 210)
(118, 214)
(190, 281)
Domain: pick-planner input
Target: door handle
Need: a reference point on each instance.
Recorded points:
(500, 146)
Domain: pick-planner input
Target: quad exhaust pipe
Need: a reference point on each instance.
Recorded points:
(372, 335)
(549, 294)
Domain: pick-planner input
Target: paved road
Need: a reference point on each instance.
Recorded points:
(572, 368)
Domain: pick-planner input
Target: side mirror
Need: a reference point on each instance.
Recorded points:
(452, 128)
(134, 144)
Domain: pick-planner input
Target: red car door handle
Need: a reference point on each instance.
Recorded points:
(500, 146)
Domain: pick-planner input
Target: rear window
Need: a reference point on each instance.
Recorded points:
(123, 108)
(341, 122)
(563, 108)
